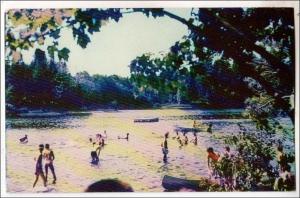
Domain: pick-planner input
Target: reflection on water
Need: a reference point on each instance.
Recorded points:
(71, 121)
(209, 114)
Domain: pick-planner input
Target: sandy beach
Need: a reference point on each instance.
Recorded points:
(137, 161)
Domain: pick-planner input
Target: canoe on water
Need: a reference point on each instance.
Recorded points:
(202, 185)
(146, 120)
(175, 184)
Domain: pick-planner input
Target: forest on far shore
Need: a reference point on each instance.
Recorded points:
(231, 58)
(48, 85)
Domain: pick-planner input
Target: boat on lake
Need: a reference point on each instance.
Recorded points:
(156, 119)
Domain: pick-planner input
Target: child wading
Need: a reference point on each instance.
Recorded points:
(49, 158)
(164, 146)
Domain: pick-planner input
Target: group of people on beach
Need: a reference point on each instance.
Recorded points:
(44, 161)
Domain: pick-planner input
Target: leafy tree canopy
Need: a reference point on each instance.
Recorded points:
(257, 42)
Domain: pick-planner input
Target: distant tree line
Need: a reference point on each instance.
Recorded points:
(230, 55)
(48, 85)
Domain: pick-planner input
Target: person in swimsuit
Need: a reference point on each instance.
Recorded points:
(186, 140)
(39, 167)
(212, 159)
(179, 139)
(49, 157)
(102, 142)
(96, 153)
(209, 130)
(164, 146)
(195, 140)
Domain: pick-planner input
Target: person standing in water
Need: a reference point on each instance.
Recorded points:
(186, 140)
(195, 140)
(39, 167)
(49, 158)
(212, 159)
(95, 153)
(209, 130)
(164, 146)
(179, 140)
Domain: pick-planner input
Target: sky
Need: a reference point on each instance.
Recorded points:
(113, 48)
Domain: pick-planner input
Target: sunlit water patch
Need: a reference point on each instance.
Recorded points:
(137, 161)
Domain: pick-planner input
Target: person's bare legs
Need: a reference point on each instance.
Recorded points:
(46, 171)
(36, 180)
(53, 173)
(44, 179)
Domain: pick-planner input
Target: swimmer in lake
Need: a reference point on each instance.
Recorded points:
(126, 138)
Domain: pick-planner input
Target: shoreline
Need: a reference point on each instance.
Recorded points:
(235, 113)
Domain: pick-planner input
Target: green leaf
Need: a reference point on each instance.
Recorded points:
(55, 34)
(51, 50)
(63, 54)
(52, 22)
(18, 15)
(44, 27)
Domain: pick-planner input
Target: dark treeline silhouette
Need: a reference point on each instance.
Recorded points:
(49, 85)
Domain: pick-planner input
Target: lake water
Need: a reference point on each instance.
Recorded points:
(137, 161)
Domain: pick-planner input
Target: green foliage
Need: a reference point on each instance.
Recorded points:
(260, 109)
(158, 74)
(48, 85)
(206, 185)
(89, 21)
(210, 81)
(155, 12)
(63, 54)
(210, 66)
(251, 167)
(51, 50)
